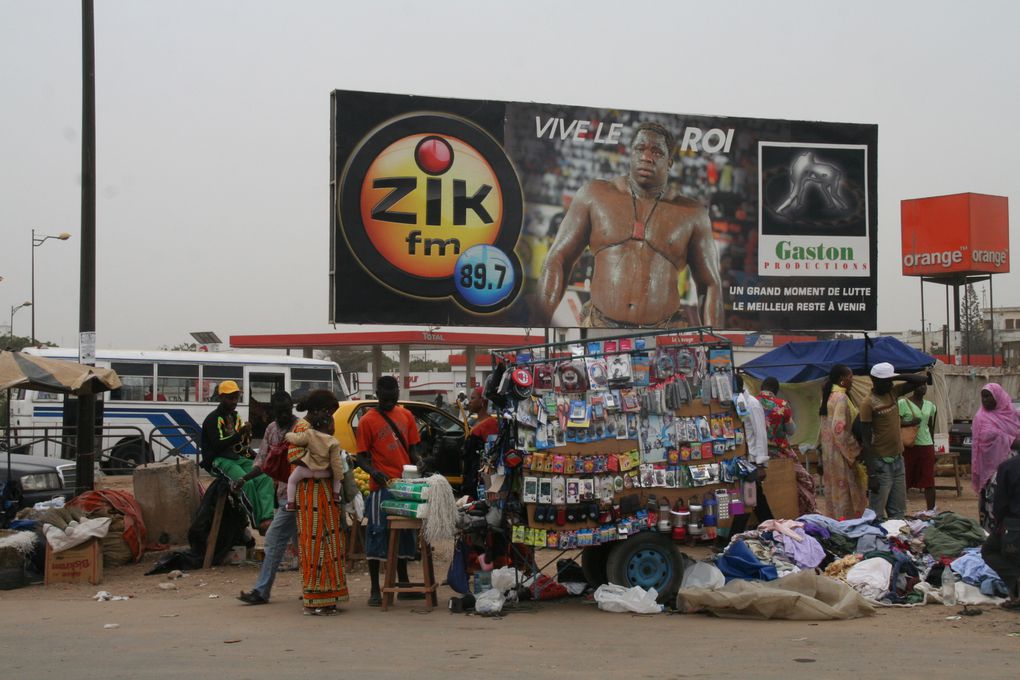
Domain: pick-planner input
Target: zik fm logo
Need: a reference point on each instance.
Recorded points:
(434, 156)
(421, 190)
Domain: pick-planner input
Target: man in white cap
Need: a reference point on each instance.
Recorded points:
(882, 447)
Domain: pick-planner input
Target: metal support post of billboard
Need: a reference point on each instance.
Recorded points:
(405, 371)
(949, 328)
(377, 359)
(924, 343)
(469, 380)
(991, 317)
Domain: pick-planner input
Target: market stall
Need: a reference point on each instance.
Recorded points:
(628, 447)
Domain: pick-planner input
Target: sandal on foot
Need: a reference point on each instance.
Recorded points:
(375, 600)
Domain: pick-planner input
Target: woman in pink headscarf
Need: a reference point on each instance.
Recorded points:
(993, 440)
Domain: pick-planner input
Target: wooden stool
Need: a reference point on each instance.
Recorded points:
(954, 459)
(428, 584)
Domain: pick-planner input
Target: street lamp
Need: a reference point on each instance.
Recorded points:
(36, 242)
(15, 308)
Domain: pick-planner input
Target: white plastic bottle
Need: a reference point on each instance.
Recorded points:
(948, 587)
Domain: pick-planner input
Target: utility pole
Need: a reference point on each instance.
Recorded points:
(86, 430)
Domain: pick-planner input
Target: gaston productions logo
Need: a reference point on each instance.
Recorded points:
(431, 207)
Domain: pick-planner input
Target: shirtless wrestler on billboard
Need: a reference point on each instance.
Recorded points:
(642, 235)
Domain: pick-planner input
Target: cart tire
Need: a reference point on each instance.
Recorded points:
(649, 560)
(593, 564)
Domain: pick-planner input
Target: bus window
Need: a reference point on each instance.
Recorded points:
(46, 396)
(214, 374)
(261, 387)
(136, 381)
(304, 380)
(177, 382)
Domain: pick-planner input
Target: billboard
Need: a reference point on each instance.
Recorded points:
(470, 212)
(959, 234)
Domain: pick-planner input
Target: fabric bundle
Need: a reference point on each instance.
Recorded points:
(886, 563)
(950, 534)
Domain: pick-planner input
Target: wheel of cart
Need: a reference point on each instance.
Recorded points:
(648, 559)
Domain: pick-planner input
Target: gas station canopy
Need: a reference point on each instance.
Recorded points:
(379, 341)
(387, 340)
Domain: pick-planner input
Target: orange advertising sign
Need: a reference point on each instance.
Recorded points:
(956, 234)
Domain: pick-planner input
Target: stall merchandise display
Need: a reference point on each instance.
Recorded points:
(614, 435)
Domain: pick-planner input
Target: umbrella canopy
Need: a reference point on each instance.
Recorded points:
(797, 362)
(53, 375)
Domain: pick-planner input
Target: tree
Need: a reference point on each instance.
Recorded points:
(180, 347)
(352, 359)
(16, 343)
(974, 336)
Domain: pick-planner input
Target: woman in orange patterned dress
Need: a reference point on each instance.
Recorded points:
(320, 532)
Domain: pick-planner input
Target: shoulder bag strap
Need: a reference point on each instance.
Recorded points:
(396, 431)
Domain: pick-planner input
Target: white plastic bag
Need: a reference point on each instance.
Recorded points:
(359, 507)
(703, 575)
(490, 602)
(614, 598)
(76, 533)
(505, 578)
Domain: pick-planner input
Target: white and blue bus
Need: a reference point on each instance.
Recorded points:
(163, 400)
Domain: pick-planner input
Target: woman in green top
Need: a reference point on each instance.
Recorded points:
(919, 459)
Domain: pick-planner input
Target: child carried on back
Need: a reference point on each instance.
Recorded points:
(323, 458)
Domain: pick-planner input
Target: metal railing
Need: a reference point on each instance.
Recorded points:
(119, 448)
(167, 441)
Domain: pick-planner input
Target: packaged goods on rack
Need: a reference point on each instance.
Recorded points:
(609, 429)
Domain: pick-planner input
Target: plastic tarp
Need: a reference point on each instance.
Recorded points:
(803, 596)
(801, 369)
(797, 362)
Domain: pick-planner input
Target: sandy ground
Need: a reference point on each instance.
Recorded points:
(200, 630)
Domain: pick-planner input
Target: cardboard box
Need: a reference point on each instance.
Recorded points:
(80, 564)
(780, 488)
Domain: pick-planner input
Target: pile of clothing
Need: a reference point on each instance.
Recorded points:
(897, 562)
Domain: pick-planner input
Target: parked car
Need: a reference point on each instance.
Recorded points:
(39, 478)
(960, 436)
(441, 433)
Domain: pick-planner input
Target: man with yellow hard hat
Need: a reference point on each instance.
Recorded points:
(225, 439)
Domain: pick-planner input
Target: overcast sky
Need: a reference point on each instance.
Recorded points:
(213, 127)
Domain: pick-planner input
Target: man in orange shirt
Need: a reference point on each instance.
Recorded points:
(387, 441)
